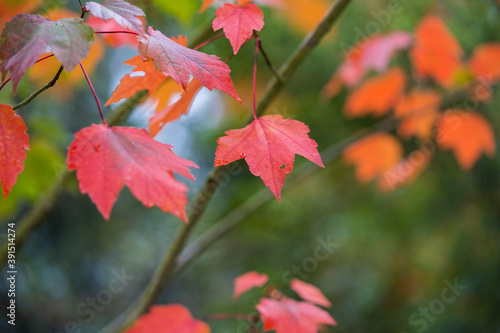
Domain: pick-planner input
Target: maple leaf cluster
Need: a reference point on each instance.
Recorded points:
(438, 64)
(278, 312)
(106, 159)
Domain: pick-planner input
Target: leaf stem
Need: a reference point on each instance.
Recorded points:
(93, 93)
(256, 58)
(42, 89)
(117, 32)
(266, 58)
(41, 59)
(208, 41)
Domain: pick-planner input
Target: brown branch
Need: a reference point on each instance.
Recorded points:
(42, 89)
(168, 263)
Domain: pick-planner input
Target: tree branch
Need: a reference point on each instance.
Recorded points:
(42, 208)
(39, 91)
(168, 263)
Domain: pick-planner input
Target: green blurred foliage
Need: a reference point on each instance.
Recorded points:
(394, 253)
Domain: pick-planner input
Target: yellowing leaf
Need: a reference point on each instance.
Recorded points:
(468, 134)
(374, 155)
(377, 95)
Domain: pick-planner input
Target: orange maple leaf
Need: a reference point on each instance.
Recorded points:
(146, 77)
(406, 171)
(436, 53)
(166, 113)
(376, 95)
(484, 62)
(468, 134)
(373, 155)
(419, 112)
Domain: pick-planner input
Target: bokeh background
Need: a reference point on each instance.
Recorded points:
(392, 254)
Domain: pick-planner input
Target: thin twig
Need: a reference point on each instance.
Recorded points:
(39, 91)
(266, 58)
(168, 263)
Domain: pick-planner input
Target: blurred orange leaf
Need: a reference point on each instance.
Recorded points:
(374, 155)
(305, 15)
(9, 9)
(406, 171)
(468, 134)
(485, 62)
(376, 95)
(436, 53)
(169, 113)
(205, 5)
(419, 111)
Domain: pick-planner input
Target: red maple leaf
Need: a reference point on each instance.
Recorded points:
(27, 36)
(290, 316)
(269, 145)
(238, 23)
(107, 158)
(309, 293)
(247, 281)
(173, 318)
(125, 14)
(13, 145)
(180, 62)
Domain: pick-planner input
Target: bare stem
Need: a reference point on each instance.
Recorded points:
(93, 93)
